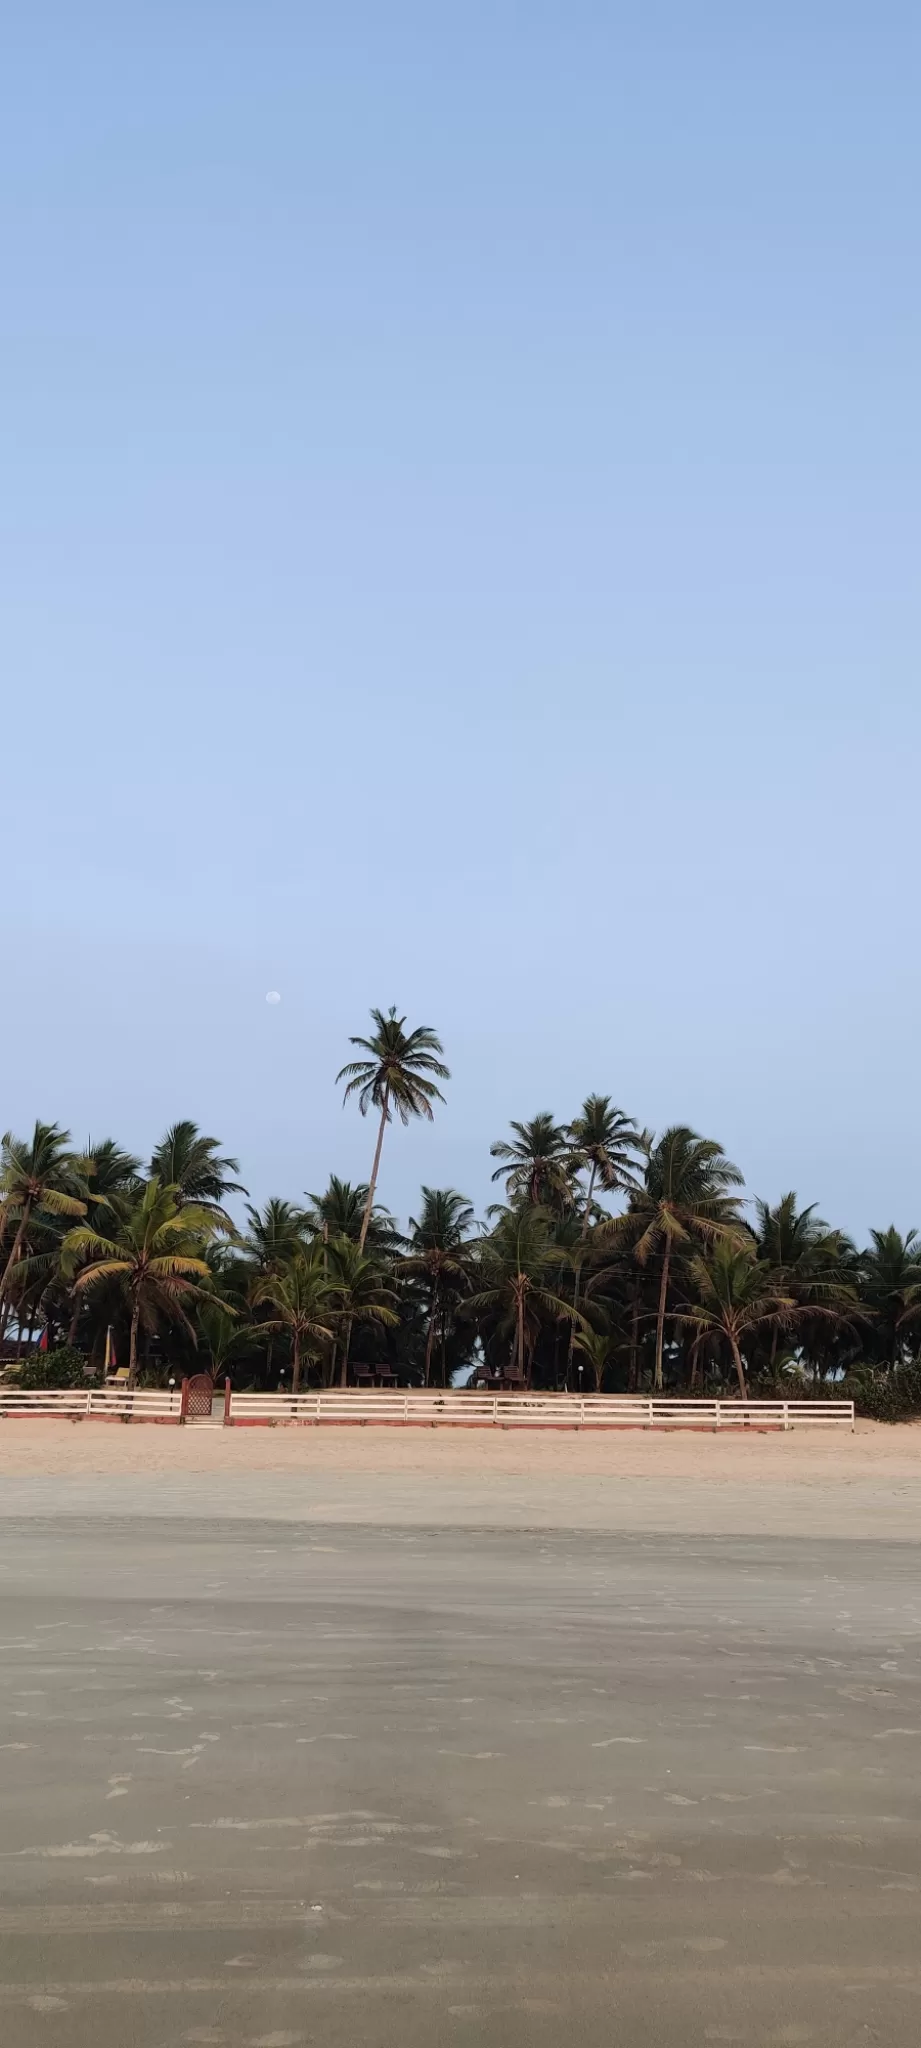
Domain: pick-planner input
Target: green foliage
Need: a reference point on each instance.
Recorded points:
(61, 1368)
(191, 1164)
(537, 1164)
(153, 1252)
(881, 1395)
(396, 1074)
(619, 1260)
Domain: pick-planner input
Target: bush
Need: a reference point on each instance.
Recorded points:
(885, 1395)
(61, 1368)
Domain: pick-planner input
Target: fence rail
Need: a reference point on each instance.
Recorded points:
(416, 1407)
(532, 1411)
(143, 1404)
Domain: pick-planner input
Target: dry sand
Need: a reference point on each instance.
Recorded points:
(798, 1458)
(807, 1484)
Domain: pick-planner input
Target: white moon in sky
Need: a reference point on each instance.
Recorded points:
(273, 996)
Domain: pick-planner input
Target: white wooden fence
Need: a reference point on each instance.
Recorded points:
(426, 1409)
(531, 1411)
(108, 1404)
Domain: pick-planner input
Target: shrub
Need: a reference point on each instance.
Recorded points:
(885, 1395)
(61, 1368)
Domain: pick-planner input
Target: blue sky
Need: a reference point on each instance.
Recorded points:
(459, 548)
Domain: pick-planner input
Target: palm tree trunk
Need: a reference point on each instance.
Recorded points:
(586, 1218)
(133, 1343)
(21, 1229)
(634, 1372)
(346, 1341)
(660, 1317)
(740, 1369)
(444, 1351)
(295, 1362)
(430, 1340)
(519, 1337)
(369, 1205)
(586, 1214)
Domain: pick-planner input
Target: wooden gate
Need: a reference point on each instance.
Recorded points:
(200, 1396)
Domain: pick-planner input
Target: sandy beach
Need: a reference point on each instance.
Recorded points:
(803, 1485)
(386, 1738)
(797, 1459)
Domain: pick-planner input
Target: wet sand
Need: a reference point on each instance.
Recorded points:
(380, 1740)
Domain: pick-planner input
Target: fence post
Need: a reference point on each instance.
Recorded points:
(226, 1404)
(786, 1415)
(719, 1414)
(495, 1407)
(89, 1400)
(184, 1401)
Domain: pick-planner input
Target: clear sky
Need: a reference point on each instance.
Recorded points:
(460, 521)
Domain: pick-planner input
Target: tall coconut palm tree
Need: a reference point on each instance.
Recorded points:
(536, 1164)
(188, 1161)
(890, 1271)
(441, 1254)
(810, 1262)
(516, 1263)
(38, 1176)
(108, 1169)
(303, 1300)
(685, 1196)
(154, 1249)
(274, 1234)
(605, 1146)
(359, 1284)
(340, 1212)
(736, 1294)
(394, 1075)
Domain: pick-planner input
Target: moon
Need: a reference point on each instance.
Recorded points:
(273, 996)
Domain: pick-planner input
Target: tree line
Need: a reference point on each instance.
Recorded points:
(614, 1259)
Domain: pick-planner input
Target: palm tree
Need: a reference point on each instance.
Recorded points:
(340, 1212)
(191, 1163)
(685, 1196)
(395, 1075)
(217, 1322)
(154, 1250)
(536, 1163)
(737, 1293)
(107, 1169)
(595, 1346)
(359, 1284)
(441, 1254)
(605, 1143)
(890, 1271)
(516, 1261)
(38, 1176)
(809, 1261)
(274, 1234)
(302, 1299)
